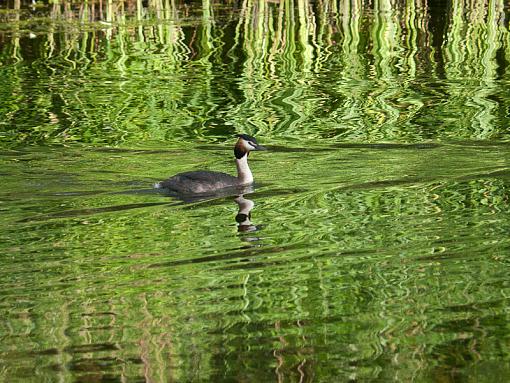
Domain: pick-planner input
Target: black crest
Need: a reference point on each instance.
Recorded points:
(248, 138)
(239, 150)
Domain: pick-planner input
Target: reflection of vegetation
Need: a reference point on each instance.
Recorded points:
(364, 273)
(356, 276)
(115, 71)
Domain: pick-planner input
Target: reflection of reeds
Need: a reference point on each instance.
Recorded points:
(342, 68)
(207, 316)
(474, 37)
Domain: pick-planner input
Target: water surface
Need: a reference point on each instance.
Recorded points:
(377, 248)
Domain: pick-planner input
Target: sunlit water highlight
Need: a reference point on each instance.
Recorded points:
(377, 243)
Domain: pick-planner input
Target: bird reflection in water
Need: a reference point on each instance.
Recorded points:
(243, 218)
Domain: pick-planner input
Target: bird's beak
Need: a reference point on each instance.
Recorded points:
(260, 147)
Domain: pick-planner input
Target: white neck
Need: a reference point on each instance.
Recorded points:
(243, 170)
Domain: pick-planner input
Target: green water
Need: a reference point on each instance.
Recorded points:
(378, 243)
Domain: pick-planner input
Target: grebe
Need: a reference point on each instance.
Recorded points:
(201, 182)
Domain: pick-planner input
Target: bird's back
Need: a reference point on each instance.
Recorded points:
(198, 182)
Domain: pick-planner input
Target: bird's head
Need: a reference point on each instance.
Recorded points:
(245, 144)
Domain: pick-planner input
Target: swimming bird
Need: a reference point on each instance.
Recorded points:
(203, 182)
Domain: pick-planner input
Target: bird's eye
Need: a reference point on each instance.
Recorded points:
(252, 144)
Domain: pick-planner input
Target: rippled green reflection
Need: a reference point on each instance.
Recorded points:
(369, 272)
(353, 71)
(374, 246)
